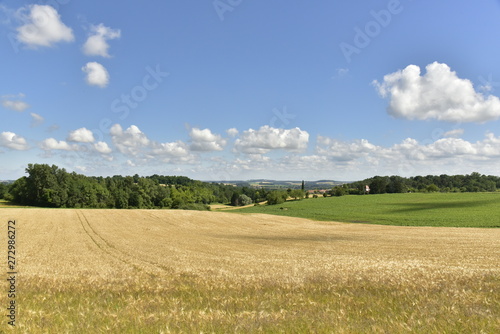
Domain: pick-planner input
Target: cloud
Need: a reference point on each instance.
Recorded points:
(205, 141)
(409, 150)
(97, 75)
(81, 135)
(341, 72)
(450, 147)
(176, 149)
(314, 165)
(332, 158)
(36, 119)
(6, 14)
(131, 141)
(13, 141)
(53, 144)
(96, 44)
(438, 94)
(409, 157)
(13, 96)
(358, 159)
(42, 27)
(444, 148)
(345, 151)
(82, 169)
(102, 147)
(267, 138)
(91, 154)
(254, 162)
(134, 143)
(233, 132)
(53, 127)
(454, 133)
(15, 105)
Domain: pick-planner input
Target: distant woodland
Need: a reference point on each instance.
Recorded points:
(473, 182)
(51, 186)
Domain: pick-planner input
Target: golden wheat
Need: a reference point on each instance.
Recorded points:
(122, 271)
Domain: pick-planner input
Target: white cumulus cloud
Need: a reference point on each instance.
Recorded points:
(443, 156)
(438, 94)
(233, 132)
(177, 148)
(42, 27)
(268, 138)
(97, 43)
(96, 74)
(177, 151)
(13, 141)
(102, 147)
(53, 144)
(132, 141)
(81, 135)
(205, 141)
(345, 151)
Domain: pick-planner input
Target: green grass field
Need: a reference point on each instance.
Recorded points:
(416, 209)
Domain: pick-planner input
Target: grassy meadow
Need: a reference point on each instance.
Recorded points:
(172, 271)
(415, 209)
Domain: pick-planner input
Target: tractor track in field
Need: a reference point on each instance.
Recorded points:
(138, 263)
(112, 250)
(92, 234)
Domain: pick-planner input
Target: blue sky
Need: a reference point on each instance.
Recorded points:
(239, 89)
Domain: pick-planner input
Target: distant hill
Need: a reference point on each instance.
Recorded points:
(280, 184)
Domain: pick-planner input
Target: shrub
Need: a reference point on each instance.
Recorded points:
(276, 197)
(432, 188)
(244, 200)
(339, 191)
(195, 206)
(297, 194)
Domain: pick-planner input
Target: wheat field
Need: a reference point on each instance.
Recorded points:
(165, 271)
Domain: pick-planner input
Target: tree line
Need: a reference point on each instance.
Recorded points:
(51, 186)
(474, 182)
